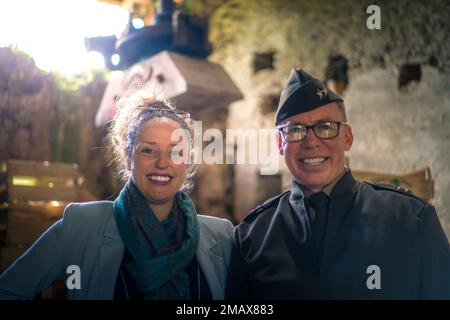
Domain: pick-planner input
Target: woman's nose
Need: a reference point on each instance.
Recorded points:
(163, 160)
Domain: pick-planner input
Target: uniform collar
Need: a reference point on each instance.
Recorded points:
(328, 189)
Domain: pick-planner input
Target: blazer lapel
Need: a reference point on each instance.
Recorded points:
(212, 264)
(208, 255)
(111, 253)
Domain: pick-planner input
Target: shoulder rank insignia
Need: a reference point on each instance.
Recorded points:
(389, 187)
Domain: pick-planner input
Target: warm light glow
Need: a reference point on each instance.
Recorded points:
(56, 203)
(115, 59)
(137, 23)
(52, 32)
(40, 203)
(24, 181)
(50, 182)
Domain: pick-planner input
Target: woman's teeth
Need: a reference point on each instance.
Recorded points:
(313, 161)
(159, 178)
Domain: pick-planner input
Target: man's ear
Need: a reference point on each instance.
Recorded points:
(348, 138)
(280, 143)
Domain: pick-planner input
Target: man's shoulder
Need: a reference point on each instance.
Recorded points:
(267, 206)
(393, 193)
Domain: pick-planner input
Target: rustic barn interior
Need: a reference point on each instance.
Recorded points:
(232, 58)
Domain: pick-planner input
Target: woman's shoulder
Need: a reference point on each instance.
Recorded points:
(212, 220)
(93, 211)
(215, 224)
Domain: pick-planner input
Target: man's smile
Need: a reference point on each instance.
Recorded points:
(313, 161)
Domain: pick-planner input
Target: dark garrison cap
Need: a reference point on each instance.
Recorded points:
(303, 93)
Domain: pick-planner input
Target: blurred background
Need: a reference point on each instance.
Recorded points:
(64, 62)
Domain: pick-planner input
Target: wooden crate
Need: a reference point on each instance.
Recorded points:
(3, 202)
(36, 194)
(41, 181)
(417, 182)
(24, 227)
(33, 196)
(9, 254)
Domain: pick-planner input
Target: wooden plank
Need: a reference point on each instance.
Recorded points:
(25, 228)
(3, 225)
(9, 254)
(21, 193)
(417, 182)
(42, 169)
(46, 209)
(50, 182)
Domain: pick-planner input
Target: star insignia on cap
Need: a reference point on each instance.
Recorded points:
(322, 93)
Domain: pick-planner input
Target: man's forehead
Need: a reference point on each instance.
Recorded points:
(327, 112)
(303, 93)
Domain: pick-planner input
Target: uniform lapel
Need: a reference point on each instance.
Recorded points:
(294, 224)
(342, 200)
(291, 209)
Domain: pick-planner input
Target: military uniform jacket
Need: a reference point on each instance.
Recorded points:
(380, 243)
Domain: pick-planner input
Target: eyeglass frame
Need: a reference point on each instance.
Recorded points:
(308, 127)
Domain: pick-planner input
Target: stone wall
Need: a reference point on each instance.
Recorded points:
(213, 182)
(44, 117)
(402, 131)
(26, 109)
(396, 131)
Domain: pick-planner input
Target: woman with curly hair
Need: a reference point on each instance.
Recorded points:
(149, 243)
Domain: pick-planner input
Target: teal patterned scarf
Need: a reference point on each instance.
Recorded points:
(161, 251)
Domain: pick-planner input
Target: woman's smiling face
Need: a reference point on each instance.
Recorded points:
(153, 170)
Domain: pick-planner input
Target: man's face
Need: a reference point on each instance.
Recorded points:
(314, 162)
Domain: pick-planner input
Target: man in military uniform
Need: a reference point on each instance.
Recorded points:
(331, 237)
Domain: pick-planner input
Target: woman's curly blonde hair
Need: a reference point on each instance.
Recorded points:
(134, 109)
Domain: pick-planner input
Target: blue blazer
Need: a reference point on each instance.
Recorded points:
(87, 236)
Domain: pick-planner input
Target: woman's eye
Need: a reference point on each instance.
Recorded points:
(176, 153)
(148, 150)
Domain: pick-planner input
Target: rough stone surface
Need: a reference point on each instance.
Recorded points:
(41, 121)
(395, 131)
(402, 131)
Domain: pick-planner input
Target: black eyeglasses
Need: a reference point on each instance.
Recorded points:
(323, 130)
